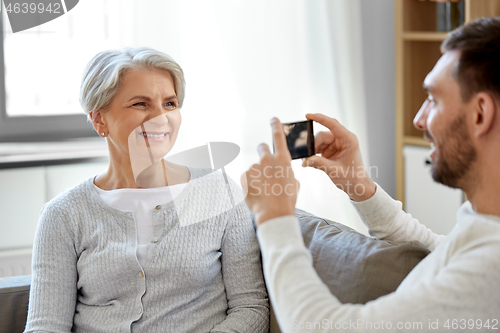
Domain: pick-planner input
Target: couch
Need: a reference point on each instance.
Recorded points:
(355, 267)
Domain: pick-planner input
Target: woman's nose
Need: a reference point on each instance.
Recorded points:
(420, 120)
(158, 119)
(158, 115)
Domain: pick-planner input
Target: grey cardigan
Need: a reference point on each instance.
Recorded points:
(203, 272)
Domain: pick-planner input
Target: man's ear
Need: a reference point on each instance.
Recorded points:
(485, 110)
(98, 121)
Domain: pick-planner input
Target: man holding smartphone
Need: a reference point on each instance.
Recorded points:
(460, 279)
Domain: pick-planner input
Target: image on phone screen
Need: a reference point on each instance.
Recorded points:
(300, 138)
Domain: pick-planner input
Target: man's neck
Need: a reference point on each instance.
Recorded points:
(485, 194)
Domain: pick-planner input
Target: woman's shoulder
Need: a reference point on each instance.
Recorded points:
(70, 198)
(210, 178)
(196, 173)
(216, 184)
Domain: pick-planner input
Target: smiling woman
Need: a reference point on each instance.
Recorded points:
(111, 251)
(141, 121)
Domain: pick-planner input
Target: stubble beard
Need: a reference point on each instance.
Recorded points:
(455, 157)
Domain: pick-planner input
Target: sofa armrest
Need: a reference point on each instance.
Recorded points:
(14, 296)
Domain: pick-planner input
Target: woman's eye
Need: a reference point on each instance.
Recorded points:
(140, 104)
(170, 105)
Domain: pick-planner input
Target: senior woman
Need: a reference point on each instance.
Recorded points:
(111, 254)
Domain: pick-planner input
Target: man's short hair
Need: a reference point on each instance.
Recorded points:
(478, 68)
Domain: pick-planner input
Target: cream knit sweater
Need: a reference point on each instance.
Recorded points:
(203, 271)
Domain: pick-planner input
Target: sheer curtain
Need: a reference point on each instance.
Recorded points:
(246, 61)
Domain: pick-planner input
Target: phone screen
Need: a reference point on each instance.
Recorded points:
(300, 138)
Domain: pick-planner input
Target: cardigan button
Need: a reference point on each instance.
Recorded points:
(158, 207)
(155, 240)
(141, 274)
(140, 311)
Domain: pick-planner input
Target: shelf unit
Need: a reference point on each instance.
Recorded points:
(417, 50)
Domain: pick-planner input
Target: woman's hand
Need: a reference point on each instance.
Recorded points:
(272, 187)
(340, 159)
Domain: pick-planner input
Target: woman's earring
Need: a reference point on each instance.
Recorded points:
(103, 134)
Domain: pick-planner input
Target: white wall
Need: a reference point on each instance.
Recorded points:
(23, 193)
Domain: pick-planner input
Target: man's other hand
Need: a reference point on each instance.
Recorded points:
(340, 158)
(272, 187)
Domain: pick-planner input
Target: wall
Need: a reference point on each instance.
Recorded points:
(23, 193)
(379, 69)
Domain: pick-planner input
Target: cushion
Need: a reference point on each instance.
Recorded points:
(14, 295)
(355, 267)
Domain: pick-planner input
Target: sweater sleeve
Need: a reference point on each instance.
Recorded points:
(303, 303)
(248, 304)
(54, 277)
(386, 219)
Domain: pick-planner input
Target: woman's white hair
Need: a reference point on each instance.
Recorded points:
(102, 75)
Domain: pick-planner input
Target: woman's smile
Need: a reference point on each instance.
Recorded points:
(154, 136)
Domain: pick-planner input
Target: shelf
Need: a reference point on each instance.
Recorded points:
(418, 45)
(17, 155)
(424, 36)
(419, 57)
(416, 141)
(418, 15)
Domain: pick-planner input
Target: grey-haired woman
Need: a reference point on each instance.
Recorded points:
(147, 245)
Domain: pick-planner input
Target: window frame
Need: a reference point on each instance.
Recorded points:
(33, 128)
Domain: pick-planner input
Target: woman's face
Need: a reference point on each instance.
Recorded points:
(143, 119)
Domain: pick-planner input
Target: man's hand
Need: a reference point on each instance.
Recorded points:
(272, 188)
(340, 159)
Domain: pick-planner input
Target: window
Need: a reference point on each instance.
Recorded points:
(41, 70)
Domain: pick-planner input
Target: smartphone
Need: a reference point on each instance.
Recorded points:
(300, 138)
